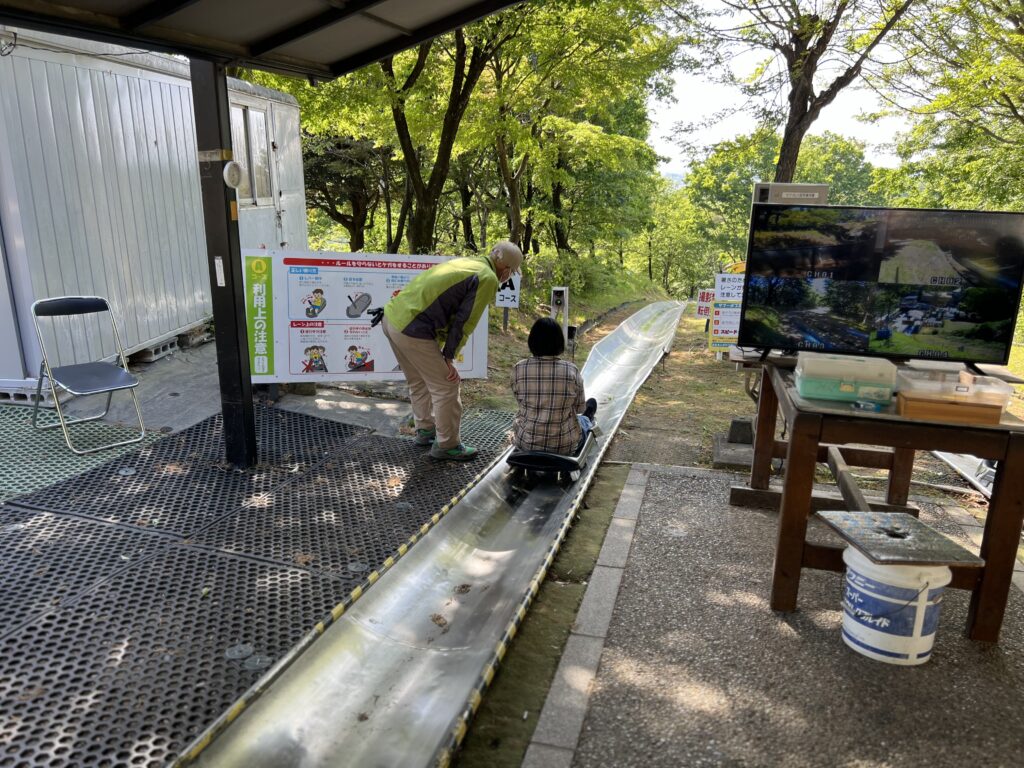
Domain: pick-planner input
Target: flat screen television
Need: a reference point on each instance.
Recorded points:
(888, 282)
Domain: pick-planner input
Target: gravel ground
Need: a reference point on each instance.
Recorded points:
(697, 671)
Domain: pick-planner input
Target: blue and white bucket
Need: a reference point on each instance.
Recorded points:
(891, 612)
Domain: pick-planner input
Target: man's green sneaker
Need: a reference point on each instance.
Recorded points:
(459, 453)
(425, 436)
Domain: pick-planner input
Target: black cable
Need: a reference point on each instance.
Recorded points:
(8, 49)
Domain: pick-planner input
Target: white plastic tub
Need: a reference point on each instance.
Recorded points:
(891, 612)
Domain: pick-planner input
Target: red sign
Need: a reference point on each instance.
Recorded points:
(357, 263)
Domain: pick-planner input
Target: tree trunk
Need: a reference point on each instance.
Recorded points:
(808, 47)
(360, 215)
(427, 193)
(485, 216)
(422, 220)
(504, 152)
(510, 180)
(385, 163)
(466, 216)
(650, 259)
(789, 152)
(528, 239)
(561, 236)
(403, 214)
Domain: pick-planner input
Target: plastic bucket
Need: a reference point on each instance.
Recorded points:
(891, 612)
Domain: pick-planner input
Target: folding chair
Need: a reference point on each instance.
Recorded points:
(83, 378)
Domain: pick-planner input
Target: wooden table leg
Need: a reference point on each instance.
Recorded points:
(999, 546)
(764, 432)
(795, 508)
(899, 476)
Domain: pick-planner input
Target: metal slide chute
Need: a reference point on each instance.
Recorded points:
(396, 679)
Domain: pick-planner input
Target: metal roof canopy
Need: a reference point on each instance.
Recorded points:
(318, 39)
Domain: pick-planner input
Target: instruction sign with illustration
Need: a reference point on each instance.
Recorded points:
(724, 325)
(309, 316)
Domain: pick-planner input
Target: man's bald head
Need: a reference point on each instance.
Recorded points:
(507, 258)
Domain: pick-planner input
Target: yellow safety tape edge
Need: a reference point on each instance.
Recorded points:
(250, 696)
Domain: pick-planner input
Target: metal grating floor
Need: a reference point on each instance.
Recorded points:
(133, 669)
(143, 597)
(285, 439)
(31, 458)
(181, 484)
(350, 513)
(46, 558)
(487, 430)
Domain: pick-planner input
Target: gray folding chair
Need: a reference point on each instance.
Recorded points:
(94, 378)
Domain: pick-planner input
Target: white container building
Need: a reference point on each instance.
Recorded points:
(99, 193)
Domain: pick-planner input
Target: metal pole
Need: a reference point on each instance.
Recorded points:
(220, 216)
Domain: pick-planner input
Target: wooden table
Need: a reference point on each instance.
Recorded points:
(814, 425)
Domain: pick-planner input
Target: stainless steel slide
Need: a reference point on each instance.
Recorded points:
(396, 679)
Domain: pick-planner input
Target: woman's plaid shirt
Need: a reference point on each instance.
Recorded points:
(549, 391)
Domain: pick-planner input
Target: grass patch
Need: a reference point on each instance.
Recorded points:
(506, 720)
(692, 394)
(506, 348)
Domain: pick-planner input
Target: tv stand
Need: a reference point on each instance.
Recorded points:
(973, 368)
(814, 425)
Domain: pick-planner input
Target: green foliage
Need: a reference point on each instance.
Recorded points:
(607, 180)
(342, 175)
(719, 186)
(810, 51)
(548, 147)
(962, 80)
(839, 162)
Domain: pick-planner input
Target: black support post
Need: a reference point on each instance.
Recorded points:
(220, 215)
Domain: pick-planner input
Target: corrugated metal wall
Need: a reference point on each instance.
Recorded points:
(103, 163)
(99, 193)
(10, 344)
(290, 181)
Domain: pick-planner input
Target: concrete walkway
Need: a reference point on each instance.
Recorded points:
(182, 389)
(692, 668)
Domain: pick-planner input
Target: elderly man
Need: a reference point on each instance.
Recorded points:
(428, 323)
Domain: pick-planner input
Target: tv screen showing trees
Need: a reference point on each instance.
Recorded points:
(887, 282)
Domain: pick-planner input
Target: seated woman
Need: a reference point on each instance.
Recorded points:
(550, 396)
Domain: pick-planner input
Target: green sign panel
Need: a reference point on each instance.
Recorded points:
(259, 313)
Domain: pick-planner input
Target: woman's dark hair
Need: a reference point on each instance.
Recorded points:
(546, 339)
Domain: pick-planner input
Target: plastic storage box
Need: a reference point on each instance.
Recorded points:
(839, 377)
(957, 396)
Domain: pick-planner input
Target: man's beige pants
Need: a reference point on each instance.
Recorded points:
(435, 400)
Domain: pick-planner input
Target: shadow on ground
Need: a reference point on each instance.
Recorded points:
(144, 596)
